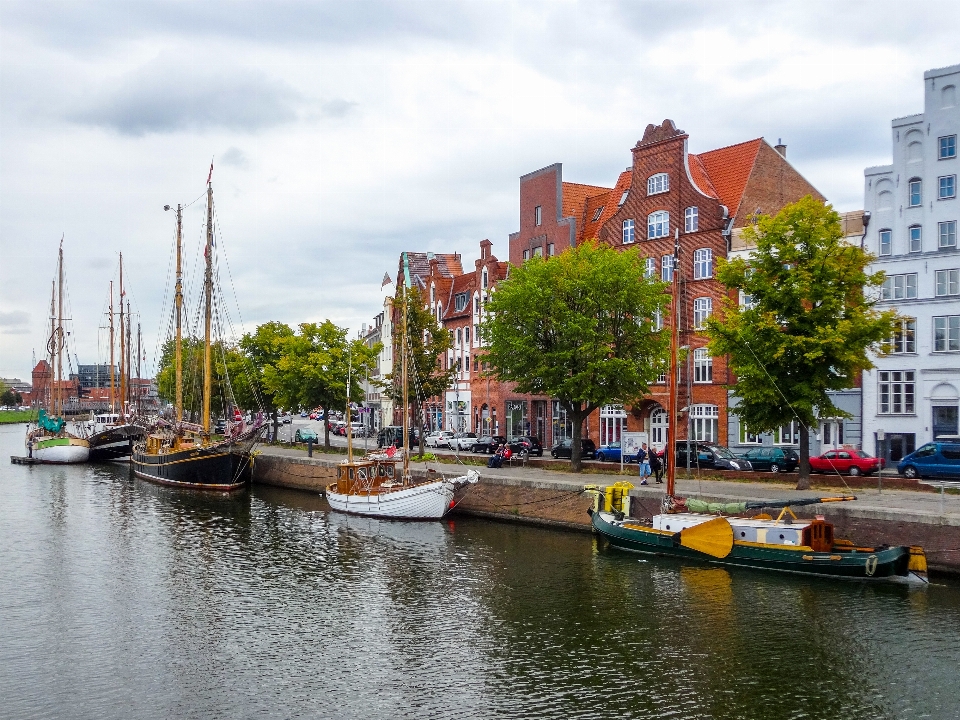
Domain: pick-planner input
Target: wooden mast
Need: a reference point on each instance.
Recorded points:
(139, 355)
(348, 415)
(129, 361)
(52, 347)
(59, 341)
(178, 304)
(208, 298)
(123, 367)
(670, 452)
(403, 378)
(112, 382)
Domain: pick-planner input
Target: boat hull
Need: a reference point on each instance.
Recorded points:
(426, 501)
(217, 468)
(878, 564)
(115, 443)
(61, 450)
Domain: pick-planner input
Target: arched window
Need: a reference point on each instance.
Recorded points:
(658, 224)
(702, 264)
(659, 183)
(702, 366)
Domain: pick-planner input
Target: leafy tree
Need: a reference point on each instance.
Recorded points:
(427, 345)
(10, 397)
(227, 382)
(810, 323)
(577, 327)
(313, 368)
(262, 351)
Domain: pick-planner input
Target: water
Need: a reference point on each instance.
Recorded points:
(122, 599)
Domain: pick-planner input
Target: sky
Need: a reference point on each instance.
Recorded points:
(343, 133)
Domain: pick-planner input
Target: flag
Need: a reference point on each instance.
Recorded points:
(386, 280)
(391, 451)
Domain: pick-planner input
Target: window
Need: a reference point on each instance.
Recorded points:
(916, 238)
(702, 366)
(704, 422)
(886, 244)
(537, 251)
(691, 221)
(904, 338)
(948, 234)
(747, 302)
(666, 268)
(658, 183)
(948, 282)
(538, 215)
(948, 187)
(946, 334)
(895, 392)
(460, 302)
(628, 233)
(916, 195)
(657, 321)
(526, 254)
(898, 287)
(788, 434)
(597, 214)
(748, 437)
(623, 198)
(702, 264)
(459, 336)
(466, 335)
(702, 307)
(484, 278)
(476, 305)
(948, 147)
(658, 224)
(550, 249)
(651, 267)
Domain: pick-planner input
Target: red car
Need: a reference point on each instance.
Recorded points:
(845, 460)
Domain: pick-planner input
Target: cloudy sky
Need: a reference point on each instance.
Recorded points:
(345, 132)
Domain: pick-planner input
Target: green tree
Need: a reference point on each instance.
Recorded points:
(577, 327)
(313, 368)
(262, 350)
(427, 344)
(225, 359)
(10, 397)
(810, 323)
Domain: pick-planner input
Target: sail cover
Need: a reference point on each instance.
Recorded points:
(54, 425)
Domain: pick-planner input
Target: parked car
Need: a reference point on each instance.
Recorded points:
(564, 449)
(846, 460)
(439, 438)
(305, 435)
(710, 456)
(774, 459)
(463, 440)
(937, 459)
(527, 444)
(220, 426)
(611, 452)
(488, 443)
(286, 419)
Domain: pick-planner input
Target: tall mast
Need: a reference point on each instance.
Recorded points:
(178, 303)
(123, 367)
(129, 362)
(348, 415)
(60, 333)
(139, 388)
(112, 398)
(52, 347)
(403, 379)
(208, 297)
(670, 452)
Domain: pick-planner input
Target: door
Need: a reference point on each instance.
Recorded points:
(944, 421)
(658, 428)
(831, 434)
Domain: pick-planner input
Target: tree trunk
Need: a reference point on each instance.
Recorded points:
(803, 482)
(576, 461)
(326, 427)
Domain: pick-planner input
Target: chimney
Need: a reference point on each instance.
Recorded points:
(781, 148)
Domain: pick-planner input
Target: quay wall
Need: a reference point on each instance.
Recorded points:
(560, 503)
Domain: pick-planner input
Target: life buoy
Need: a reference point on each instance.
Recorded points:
(871, 566)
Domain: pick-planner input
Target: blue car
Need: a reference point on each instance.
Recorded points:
(937, 459)
(611, 452)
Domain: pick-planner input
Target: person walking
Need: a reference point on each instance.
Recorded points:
(643, 458)
(656, 465)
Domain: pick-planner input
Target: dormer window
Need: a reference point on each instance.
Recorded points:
(597, 214)
(623, 198)
(659, 183)
(460, 301)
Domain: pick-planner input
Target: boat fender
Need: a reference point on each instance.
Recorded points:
(871, 565)
(918, 560)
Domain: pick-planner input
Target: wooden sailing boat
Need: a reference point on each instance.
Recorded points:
(371, 486)
(49, 441)
(720, 532)
(185, 454)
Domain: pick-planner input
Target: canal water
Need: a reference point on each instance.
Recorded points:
(122, 599)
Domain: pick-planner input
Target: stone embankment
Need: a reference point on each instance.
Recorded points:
(536, 495)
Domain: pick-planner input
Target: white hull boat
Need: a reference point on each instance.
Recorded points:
(429, 500)
(60, 450)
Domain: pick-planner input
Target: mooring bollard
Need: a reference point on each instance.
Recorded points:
(310, 448)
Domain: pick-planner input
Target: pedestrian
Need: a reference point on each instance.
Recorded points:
(656, 465)
(643, 459)
(496, 460)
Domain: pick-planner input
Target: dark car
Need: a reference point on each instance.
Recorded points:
(709, 456)
(564, 449)
(488, 443)
(774, 459)
(220, 427)
(527, 444)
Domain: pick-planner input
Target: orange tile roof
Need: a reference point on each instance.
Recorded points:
(611, 204)
(699, 174)
(729, 169)
(575, 196)
(460, 284)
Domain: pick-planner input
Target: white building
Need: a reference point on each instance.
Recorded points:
(914, 392)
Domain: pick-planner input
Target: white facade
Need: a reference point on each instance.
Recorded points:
(913, 394)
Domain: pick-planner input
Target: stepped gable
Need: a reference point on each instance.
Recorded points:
(729, 169)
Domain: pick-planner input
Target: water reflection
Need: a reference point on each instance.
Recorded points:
(123, 598)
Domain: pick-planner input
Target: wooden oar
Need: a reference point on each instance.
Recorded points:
(714, 537)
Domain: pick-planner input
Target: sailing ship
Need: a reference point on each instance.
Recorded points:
(49, 441)
(184, 454)
(375, 487)
(692, 529)
(113, 434)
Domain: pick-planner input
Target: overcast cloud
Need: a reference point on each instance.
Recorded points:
(346, 132)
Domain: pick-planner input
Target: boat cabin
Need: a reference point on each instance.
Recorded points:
(365, 477)
(815, 534)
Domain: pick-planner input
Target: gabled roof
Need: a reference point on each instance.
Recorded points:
(609, 201)
(448, 265)
(728, 169)
(699, 174)
(575, 196)
(460, 284)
